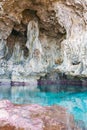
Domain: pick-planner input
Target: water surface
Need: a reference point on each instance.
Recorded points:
(74, 101)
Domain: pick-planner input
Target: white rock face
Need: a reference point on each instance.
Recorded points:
(74, 47)
(34, 62)
(47, 51)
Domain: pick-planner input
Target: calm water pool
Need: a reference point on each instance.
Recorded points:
(75, 102)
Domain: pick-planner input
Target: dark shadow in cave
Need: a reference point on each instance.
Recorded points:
(15, 33)
(17, 36)
(57, 82)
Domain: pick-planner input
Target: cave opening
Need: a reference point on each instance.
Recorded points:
(18, 35)
(15, 33)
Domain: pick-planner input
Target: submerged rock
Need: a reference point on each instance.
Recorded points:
(34, 117)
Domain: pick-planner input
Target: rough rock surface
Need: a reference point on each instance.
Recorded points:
(37, 36)
(34, 117)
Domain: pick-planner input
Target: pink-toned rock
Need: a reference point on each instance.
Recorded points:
(34, 117)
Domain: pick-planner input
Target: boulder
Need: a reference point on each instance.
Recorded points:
(34, 117)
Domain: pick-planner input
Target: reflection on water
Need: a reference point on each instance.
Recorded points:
(23, 95)
(5, 92)
(75, 102)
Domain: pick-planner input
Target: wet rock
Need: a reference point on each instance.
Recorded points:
(33, 117)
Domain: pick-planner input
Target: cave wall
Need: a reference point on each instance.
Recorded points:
(41, 36)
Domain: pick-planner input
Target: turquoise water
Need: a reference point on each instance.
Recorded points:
(75, 102)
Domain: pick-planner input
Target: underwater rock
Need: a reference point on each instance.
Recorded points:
(34, 117)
